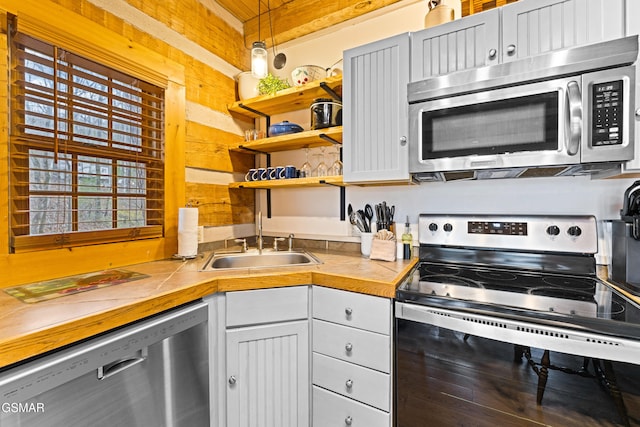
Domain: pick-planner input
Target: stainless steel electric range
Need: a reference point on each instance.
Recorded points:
(504, 321)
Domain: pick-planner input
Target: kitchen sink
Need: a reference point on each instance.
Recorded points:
(254, 259)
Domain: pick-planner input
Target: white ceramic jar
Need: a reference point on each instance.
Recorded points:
(247, 85)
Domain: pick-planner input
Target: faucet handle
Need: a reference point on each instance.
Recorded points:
(275, 242)
(244, 244)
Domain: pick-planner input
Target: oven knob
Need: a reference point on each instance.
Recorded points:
(553, 230)
(447, 227)
(433, 226)
(574, 231)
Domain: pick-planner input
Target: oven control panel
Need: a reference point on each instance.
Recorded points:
(497, 227)
(557, 233)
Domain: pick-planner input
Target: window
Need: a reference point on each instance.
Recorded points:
(86, 151)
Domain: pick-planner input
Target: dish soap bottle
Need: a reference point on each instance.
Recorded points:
(407, 240)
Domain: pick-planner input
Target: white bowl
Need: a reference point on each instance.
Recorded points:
(247, 85)
(307, 73)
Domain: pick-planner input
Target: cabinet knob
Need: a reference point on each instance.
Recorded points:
(403, 140)
(232, 380)
(638, 112)
(348, 420)
(348, 347)
(349, 384)
(493, 53)
(511, 49)
(348, 311)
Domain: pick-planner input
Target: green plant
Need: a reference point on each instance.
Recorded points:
(271, 84)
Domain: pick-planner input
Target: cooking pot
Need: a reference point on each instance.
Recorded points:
(325, 113)
(284, 128)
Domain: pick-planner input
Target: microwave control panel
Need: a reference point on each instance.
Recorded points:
(607, 113)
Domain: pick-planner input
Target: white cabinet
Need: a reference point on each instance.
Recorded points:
(352, 359)
(267, 358)
(462, 44)
(267, 367)
(531, 27)
(375, 120)
(515, 31)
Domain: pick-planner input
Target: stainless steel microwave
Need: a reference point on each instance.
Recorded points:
(570, 107)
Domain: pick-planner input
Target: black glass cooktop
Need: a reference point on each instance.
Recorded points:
(526, 293)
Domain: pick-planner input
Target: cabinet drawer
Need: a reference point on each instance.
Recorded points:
(352, 345)
(352, 309)
(330, 409)
(267, 305)
(362, 384)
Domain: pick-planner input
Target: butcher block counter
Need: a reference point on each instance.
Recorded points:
(27, 330)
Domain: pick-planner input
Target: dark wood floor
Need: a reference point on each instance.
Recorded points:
(443, 380)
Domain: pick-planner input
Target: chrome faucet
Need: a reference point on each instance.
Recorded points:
(259, 241)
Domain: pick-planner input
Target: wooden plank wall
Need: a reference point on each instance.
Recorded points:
(206, 144)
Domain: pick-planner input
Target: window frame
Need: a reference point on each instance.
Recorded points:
(50, 22)
(64, 144)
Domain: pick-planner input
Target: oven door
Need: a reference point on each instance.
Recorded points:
(454, 374)
(538, 124)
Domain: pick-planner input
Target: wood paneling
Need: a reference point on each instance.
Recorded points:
(219, 205)
(469, 7)
(208, 148)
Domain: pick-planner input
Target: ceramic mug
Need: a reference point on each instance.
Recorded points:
(252, 175)
(280, 172)
(290, 172)
(262, 174)
(271, 173)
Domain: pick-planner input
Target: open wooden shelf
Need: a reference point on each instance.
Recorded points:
(291, 183)
(293, 141)
(286, 100)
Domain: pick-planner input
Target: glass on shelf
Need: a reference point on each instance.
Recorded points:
(305, 169)
(321, 169)
(336, 167)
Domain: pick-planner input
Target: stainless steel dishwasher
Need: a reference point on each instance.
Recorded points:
(153, 372)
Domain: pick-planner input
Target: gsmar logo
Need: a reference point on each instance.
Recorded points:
(19, 407)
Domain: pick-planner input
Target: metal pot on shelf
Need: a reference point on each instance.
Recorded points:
(326, 113)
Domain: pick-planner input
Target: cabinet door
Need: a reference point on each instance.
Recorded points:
(268, 375)
(375, 111)
(462, 44)
(531, 27)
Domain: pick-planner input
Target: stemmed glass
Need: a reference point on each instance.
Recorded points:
(336, 167)
(305, 169)
(321, 169)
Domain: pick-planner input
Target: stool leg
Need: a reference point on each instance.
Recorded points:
(543, 374)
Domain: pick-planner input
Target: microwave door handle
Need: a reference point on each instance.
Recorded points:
(573, 118)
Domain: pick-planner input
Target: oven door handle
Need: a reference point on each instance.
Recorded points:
(573, 123)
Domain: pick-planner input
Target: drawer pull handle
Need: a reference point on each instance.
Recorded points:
(348, 347)
(349, 384)
(348, 311)
(348, 421)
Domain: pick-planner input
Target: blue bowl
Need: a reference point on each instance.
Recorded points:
(284, 128)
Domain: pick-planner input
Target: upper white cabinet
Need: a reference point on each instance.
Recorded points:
(531, 27)
(462, 44)
(517, 30)
(375, 121)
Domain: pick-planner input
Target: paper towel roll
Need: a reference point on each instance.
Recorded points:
(188, 232)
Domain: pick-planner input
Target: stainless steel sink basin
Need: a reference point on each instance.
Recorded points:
(253, 259)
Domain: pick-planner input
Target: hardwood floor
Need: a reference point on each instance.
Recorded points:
(445, 380)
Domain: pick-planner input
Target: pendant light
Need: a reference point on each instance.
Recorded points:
(259, 54)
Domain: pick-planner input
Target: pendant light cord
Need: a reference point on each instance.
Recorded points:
(273, 43)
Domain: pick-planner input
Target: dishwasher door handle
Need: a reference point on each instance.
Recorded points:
(113, 368)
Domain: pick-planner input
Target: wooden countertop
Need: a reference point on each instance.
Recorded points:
(27, 330)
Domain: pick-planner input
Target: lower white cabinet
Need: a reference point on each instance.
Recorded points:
(268, 375)
(267, 358)
(352, 359)
(333, 410)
